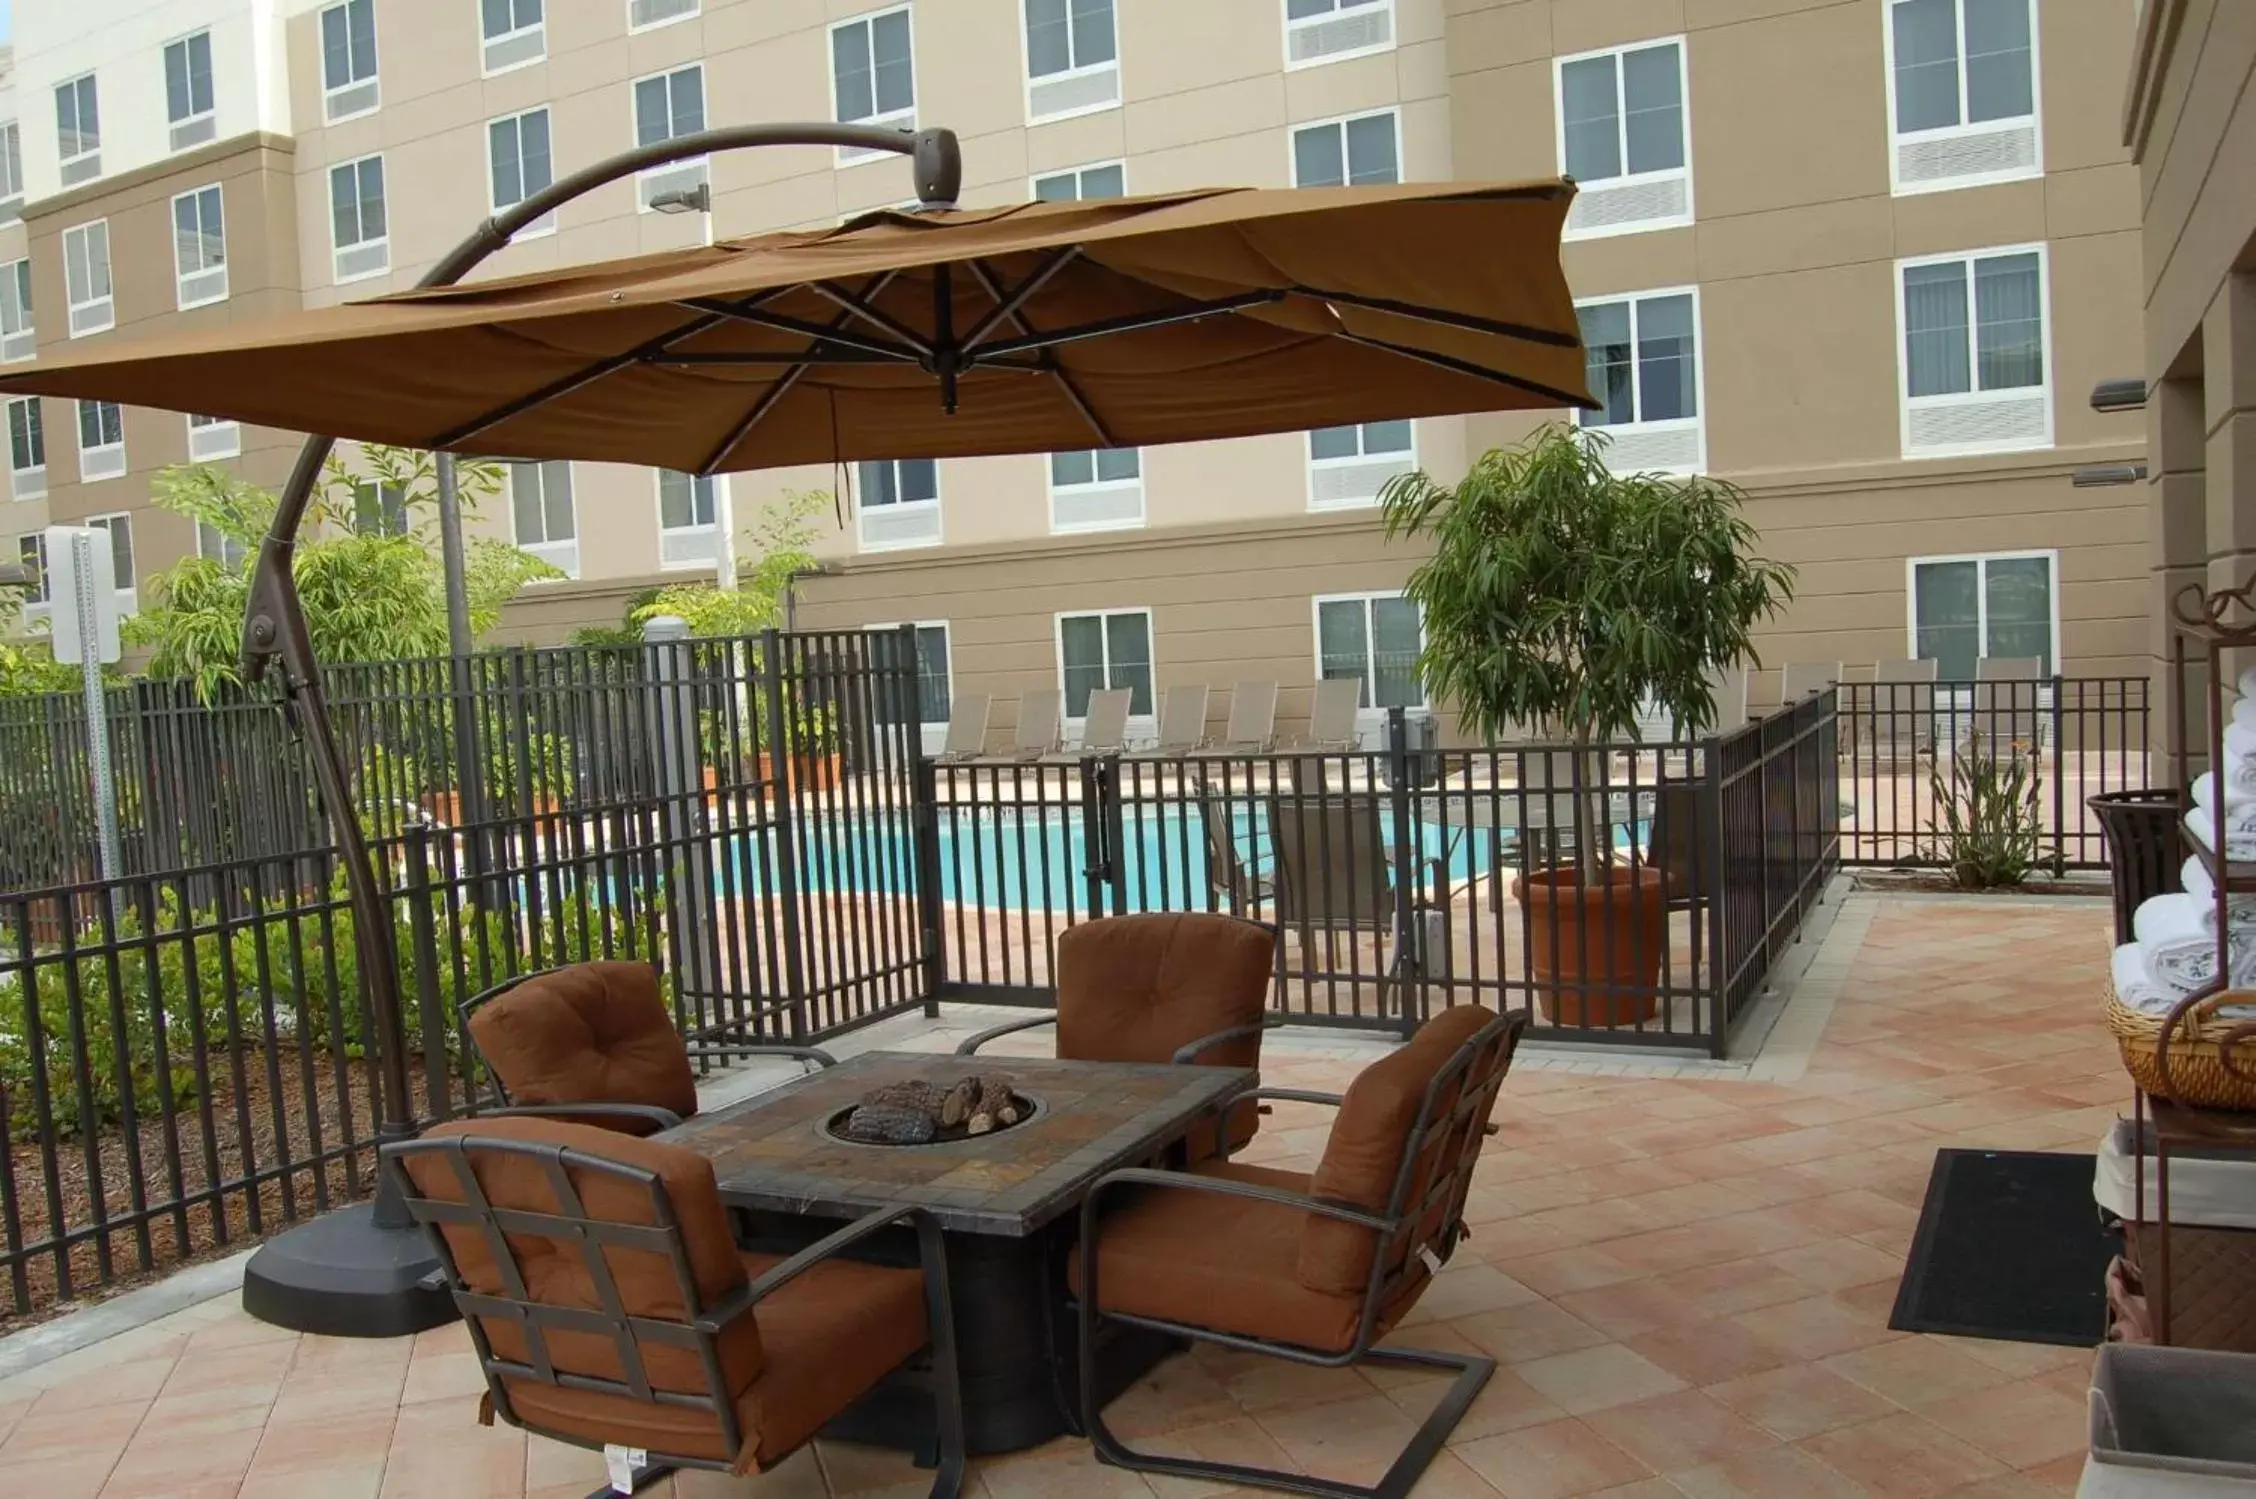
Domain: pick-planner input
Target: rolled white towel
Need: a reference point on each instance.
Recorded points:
(2244, 711)
(2240, 831)
(2247, 682)
(2138, 986)
(2163, 917)
(2205, 791)
(2240, 738)
(2190, 963)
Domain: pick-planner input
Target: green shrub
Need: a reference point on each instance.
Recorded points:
(1989, 822)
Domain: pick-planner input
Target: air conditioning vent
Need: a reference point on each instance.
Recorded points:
(82, 169)
(357, 99)
(94, 317)
(903, 119)
(2008, 150)
(1605, 208)
(1074, 93)
(885, 527)
(204, 286)
(1357, 482)
(2008, 420)
(218, 440)
(529, 45)
(1109, 507)
(101, 463)
(194, 132)
(364, 260)
(1666, 450)
(29, 484)
(682, 176)
(17, 347)
(564, 556)
(687, 547)
(650, 12)
(1362, 30)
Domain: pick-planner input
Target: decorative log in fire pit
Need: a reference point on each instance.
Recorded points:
(922, 1113)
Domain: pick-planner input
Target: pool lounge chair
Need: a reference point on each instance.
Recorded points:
(967, 727)
(1903, 708)
(1253, 719)
(1331, 714)
(1038, 725)
(1801, 678)
(1182, 720)
(1104, 730)
(1727, 685)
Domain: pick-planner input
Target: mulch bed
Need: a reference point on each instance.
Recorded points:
(1935, 882)
(207, 1223)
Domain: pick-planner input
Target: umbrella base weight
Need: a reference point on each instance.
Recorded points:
(344, 1276)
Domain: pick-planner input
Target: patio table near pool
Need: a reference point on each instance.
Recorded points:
(1005, 1200)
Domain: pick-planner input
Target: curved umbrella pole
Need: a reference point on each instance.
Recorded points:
(384, 1300)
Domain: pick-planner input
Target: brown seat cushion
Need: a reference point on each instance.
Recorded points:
(555, 1270)
(1364, 1153)
(1224, 1263)
(1138, 988)
(588, 1033)
(829, 1336)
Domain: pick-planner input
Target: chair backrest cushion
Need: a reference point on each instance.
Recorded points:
(1134, 988)
(587, 1033)
(1364, 1154)
(555, 1271)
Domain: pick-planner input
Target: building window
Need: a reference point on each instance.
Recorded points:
(217, 546)
(687, 505)
(379, 509)
(935, 696)
(900, 503)
(1348, 152)
(1320, 31)
(31, 551)
(873, 75)
(518, 164)
(1967, 609)
(27, 448)
(199, 247)
(17, 341)
(348, 60)
(511, 34)
(1106, 180)
(78, 131)
(1644, 367)
(188, 91)
(644, 14)
(1072, 58)
(211, 438)
(11, 172)
(120, 528)
(1375, 639)
(1347, 465)
(1974, 355)
(1098, 490)
(86, 278)
(540, 501)
(1098, 652)
(1622, 138)
(1962, 87)
(360, 237)
(667, 106)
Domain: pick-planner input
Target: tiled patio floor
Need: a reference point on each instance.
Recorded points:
(1687, 1283)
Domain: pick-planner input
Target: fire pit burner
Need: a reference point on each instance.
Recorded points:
(921, 1113)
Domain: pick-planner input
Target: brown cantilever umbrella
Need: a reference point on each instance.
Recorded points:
(1097, 323)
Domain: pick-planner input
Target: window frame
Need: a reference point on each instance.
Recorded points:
(1140, 725)
(15, 288)
(1627, 178)
(2047, 387)
(933, 507)
(711, 528)
(78, 420)
(486, 43)
(1697, 423)
(1289, 25)
(194, 420)
(11, 171)
(1028, 81)
(39, 605)
(548, 548)
(93, 152)
(650, 177)
(1896, 138)
(374, 82)
(1340, 123)
(34, 427)
(108, 299)
(181, 300)
(1365, 717)
(1096, 486)
(209, 112)
(1035, 179)
(848, 156)
(384, 176)
(546, 223)
(934, 731)
(128, 594)
(696, 9)
(2050, 556)
(225, 544)
(1313, 465)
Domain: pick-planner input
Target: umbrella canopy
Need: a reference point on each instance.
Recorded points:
(1040, 327)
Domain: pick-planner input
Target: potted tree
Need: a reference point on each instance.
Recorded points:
(1561, 595)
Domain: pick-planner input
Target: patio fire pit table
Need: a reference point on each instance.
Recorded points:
(1006, 1202)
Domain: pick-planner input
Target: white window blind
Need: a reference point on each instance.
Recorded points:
(1974, 353)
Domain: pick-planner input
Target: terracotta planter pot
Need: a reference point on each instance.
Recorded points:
(1587, 943)
(808, 772)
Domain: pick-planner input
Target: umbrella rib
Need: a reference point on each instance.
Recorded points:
(986, 278)
(859, 306)
(1466, 320)
(825, 333)
(1007, 307)
(1136, 321)
(779, 388)
(1467, 367)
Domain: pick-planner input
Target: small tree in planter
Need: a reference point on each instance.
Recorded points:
(1563, 595)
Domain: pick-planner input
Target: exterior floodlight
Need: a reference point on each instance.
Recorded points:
(2119, 395)
(2108, 475)
(698, 199)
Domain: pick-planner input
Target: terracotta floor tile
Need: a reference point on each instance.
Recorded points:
(1179, 1393)
(1467, 1286)
(337, 1481)
(1837, 1264)
(1902, 1457)
(1800, 1400)
(1704, 1353)
(1506, 1403)
(1561, 1272)
(2020, 1424)
(1816, 1327)
(439, 1446)
(1591, 1379)
(1258, 1383)
(136, 1382)
(1688, 1429)
(1353, 1440)
(1917, 1371)
(1077, 1473)
(1521, 1334)
(1241, 1441)
(1552, 1461)
(1771, 1473)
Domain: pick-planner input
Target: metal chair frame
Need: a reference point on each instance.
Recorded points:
(703, 1327)
(656, 1117)
(1465, 1116)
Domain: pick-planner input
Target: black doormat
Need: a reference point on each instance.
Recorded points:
(2010, 1246)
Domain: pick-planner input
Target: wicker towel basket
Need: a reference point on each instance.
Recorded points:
(2199, 1075)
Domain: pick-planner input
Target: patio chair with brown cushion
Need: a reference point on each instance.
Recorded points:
(1177, 986)
(593, 1042)
(610, 1308)
(1313, 1268)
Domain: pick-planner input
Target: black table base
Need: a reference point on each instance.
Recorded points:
(1011, 1312)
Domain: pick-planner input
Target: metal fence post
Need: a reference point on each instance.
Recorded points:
(1409, 965)
(423, 934)
(1096, 834)
(673, 743)
(2059, 792)
(774, 732)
